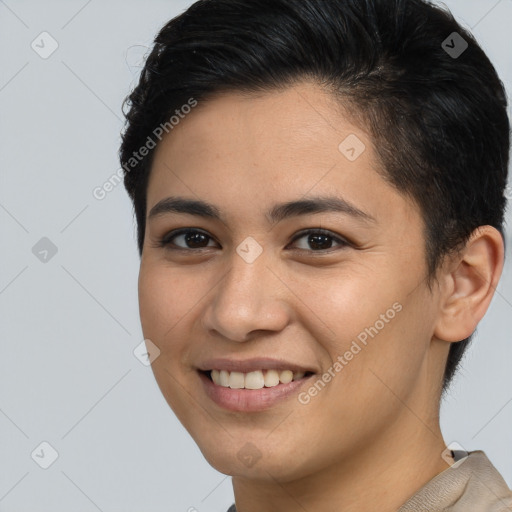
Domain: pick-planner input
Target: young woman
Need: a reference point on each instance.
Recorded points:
(319, 192)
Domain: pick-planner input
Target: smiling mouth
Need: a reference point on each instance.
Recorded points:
(254, 380)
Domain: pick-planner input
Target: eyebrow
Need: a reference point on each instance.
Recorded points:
(276, 214)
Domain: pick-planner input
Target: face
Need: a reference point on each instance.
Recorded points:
(333, 291)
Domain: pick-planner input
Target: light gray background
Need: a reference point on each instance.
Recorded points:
(69, 326)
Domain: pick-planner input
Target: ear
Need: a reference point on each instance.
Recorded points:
(468, 283)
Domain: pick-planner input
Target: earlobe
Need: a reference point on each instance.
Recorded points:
(469, 285)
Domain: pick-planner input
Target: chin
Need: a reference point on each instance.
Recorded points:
(251, 463)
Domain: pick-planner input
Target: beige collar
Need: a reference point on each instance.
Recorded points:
(472, 483)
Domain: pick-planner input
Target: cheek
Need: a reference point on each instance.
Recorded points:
(163, 303)
(350, 306)
(391, 341)
(370, 318)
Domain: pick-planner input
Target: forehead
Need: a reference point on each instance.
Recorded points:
(290, 123)
(244, 149)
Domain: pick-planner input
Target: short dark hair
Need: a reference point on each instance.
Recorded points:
(438, 120)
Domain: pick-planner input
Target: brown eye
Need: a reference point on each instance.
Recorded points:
(319, 240)
(191, 238)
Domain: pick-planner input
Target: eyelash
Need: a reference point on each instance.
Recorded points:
(165, 242)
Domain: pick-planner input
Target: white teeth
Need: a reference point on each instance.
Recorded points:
(223, 379)
(236, 380)
(254, 380)
(286, 376)
(271, 378)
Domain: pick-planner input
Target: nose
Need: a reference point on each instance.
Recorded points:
(250, 297)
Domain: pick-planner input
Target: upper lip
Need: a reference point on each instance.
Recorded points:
(250, 365)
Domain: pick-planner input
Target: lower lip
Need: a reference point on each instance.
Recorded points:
(250, 400)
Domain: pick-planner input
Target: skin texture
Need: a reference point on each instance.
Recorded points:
(371, 437)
